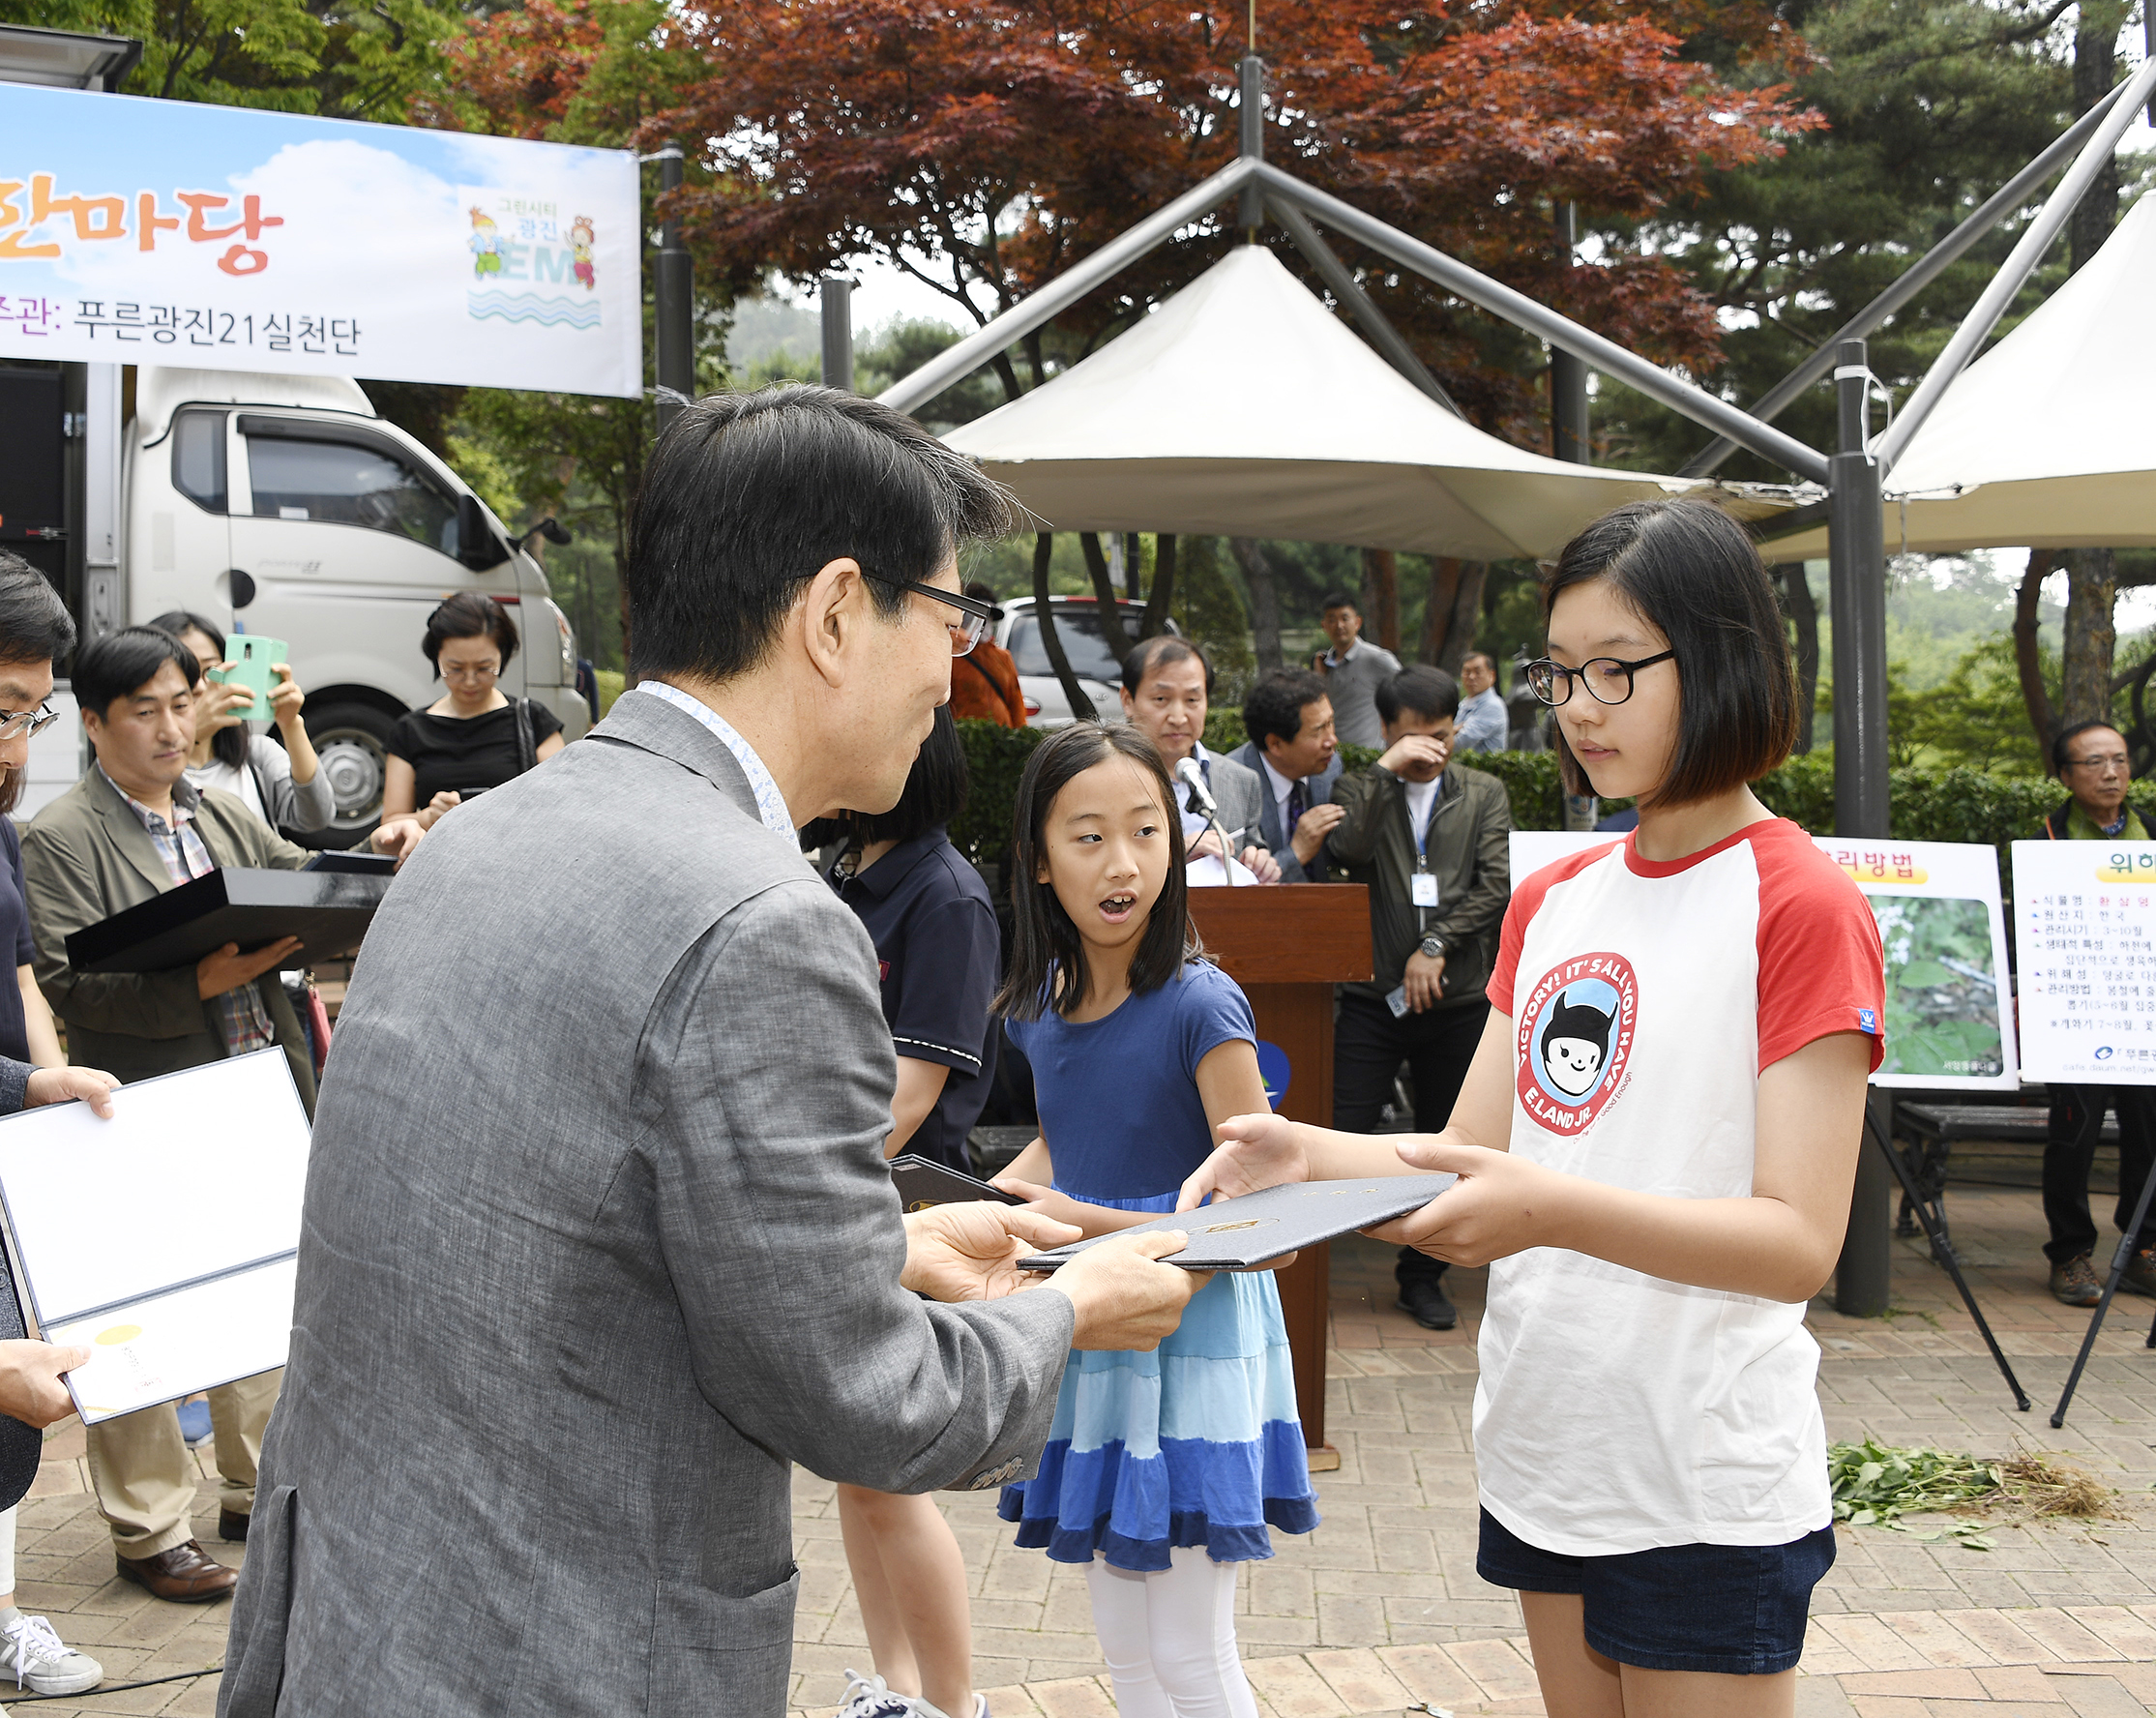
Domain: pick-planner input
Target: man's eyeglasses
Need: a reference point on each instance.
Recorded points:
(1607, 680)
(15, 725)
(975, 614)
(2109, 761)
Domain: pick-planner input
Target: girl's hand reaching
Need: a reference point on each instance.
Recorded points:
(1257, 1151)
(1501, 1204)
(1046, 1202)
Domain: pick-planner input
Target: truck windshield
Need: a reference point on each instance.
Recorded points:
(346, 484)
(1079, 632)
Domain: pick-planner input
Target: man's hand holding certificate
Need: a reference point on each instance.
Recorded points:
(971, 1252)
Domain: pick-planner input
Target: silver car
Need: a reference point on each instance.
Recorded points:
(1077, 625)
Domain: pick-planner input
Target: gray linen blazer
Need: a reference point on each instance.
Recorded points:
(1270, 835)
(598, 1241)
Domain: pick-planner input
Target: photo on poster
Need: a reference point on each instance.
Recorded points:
(1942, 987)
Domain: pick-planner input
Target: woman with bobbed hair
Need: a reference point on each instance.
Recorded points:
(474, 736)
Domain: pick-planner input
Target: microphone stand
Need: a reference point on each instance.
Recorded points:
(1210, 805)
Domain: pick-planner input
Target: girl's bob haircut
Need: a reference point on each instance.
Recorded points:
(1048, 955)
(1691, 572)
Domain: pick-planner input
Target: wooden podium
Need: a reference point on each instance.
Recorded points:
(1287, 947)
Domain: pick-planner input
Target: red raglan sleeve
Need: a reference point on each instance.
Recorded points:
(1821, 967)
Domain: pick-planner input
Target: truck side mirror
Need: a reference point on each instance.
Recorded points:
(476, 545)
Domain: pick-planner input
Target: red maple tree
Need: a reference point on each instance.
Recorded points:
(988, 144)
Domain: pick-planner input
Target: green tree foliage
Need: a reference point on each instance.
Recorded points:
(333, 58)
(1930, 104)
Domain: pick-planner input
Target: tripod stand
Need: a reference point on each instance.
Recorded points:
(1944, 1254)
(2119, 1260)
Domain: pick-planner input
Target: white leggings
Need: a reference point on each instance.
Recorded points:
(1169, 1637)
(7, 1550)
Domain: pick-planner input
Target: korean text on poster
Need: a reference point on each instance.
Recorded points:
(2085, 913)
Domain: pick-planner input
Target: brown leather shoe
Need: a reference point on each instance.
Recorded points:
(232, 1526)
(2074, 1282)
(186, 1575)
(2139, 1275)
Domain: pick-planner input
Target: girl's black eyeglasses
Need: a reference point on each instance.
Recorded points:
(1607, 680)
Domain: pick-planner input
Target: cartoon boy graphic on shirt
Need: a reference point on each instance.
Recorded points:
(1575, 1044)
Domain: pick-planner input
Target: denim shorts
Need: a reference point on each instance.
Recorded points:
(1735, 1609)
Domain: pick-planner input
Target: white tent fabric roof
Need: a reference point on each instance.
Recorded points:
(1243, 408)
(2048, 440)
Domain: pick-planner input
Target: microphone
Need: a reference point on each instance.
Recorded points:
(1192, 777)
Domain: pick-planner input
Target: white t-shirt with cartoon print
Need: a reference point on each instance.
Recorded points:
(1617, 1412)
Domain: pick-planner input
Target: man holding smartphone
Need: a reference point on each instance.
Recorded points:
(1428, 837)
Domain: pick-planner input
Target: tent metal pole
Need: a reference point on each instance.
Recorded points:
(835, 301)
(1976, 327)
(1856, 574)
(1342, 285)
(1942, 257)
(1856, 587)
(1066, 289)
(1251, 141)
(1522, 311)
(1568, 377)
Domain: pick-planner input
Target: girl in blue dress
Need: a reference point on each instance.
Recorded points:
(1164, 1471)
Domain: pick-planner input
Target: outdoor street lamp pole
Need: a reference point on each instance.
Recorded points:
(1856, 581)
(674, 359)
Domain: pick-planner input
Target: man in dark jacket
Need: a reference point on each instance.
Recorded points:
(1428, 837)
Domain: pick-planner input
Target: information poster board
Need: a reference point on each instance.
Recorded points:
(143, 232)
(1949, 1009)
(2086, 916)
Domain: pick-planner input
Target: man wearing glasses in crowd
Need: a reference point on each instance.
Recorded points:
(2092, 761)
(130, 829)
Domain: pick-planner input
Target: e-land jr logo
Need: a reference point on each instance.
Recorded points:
(1575, 1038)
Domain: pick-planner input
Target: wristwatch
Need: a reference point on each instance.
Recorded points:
(1433, 947)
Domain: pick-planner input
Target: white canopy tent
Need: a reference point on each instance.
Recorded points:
(1243, 408)
(2048, 440)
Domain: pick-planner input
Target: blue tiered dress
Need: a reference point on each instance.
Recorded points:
(1196, 1442)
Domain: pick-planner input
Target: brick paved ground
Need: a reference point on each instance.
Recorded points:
(1381, 1605)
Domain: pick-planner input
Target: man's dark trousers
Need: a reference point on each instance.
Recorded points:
(1368, 1044)
(2077, 1119)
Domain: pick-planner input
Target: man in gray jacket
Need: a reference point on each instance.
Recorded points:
(598, 1238)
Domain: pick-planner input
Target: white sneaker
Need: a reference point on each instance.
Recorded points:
(40, 1662)
(871, 1696)
(921, 1708)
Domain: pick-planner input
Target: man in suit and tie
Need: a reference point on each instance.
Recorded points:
(1167, 689)
(1293, 752)
(599, 1239)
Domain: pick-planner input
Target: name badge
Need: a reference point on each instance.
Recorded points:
(1423, 888)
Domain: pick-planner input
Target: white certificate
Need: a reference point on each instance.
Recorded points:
(165, 1240)
(2084, 914)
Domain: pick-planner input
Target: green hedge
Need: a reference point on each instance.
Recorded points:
(1954, 804)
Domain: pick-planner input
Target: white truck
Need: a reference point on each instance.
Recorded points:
(285, 505)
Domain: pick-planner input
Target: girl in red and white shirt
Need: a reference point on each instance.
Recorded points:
(1655, 1147)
